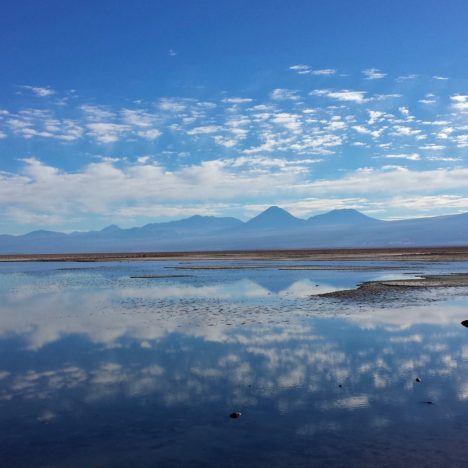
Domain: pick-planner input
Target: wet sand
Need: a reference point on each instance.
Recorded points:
(426, 254)
(160, 276)
(293, 267)
(378, 289)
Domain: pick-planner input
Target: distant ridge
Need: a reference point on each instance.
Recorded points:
(342, 216)
(274, 217)
(111, 228)
(274, 228)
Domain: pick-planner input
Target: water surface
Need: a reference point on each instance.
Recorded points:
(101, 369)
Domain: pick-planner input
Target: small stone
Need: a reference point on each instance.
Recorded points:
(235, 415)
(465, 323)
(418, 380)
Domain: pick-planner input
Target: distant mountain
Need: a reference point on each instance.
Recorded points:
(341, 217)
(274, 228)
(41, 234)
(274, 218)
(204, 223)
(111, 228)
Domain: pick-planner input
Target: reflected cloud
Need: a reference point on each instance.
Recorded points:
(47, 309)
(176, 356)
(263, 344)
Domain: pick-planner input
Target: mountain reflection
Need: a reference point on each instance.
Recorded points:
(44, 310)
(154, 356)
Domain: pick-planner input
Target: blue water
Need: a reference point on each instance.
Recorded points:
(101, 369)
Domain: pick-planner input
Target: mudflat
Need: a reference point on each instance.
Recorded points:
(375, 289)
(413, 254)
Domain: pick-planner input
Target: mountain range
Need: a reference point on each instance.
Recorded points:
(274, 228)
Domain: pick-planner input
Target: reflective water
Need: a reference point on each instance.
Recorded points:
(101, 369)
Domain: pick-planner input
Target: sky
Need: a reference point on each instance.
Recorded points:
(119, 112)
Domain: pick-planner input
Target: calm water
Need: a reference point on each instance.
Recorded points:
(101, 369)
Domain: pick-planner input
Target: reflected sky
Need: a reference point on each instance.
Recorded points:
(101, 369)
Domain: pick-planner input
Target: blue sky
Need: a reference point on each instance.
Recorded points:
(134, 112)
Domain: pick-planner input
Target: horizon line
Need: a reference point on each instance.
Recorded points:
(231, 217)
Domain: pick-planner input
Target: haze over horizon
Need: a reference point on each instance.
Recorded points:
(262, 219)
(112, 113)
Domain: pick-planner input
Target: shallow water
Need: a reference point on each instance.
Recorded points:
(101, 369)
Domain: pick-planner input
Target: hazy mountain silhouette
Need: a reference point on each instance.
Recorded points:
(274, 218)
(273, 228)
(340, 217)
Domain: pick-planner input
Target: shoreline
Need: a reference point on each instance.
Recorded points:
(378, 289)
(425, 254)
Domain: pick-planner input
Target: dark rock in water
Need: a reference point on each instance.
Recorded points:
(418, 380)
(339, 385)
(465, 323)
(427, 402)
(235, 415)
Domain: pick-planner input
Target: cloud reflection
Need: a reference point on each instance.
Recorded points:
(259, 351)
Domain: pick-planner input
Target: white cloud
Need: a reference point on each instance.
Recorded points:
(143, 159)
(432, 147)
(375, 116)
(401, 130)
(204, 130)
(411, 76)
(384, 97)
(96, 113)
(43, 194)
(290, 121)
(225, 141)
(150, 134)
(373, 181)
(265, 162)
(307, 70)
(409, 157)
(40, 91)
(38, 123)
(431, 202)
(323, 72)
(237, 100)
(444, 133)
(343, 95)
(106, 132)
(301, 69)
(462, 141)
(283, 94)
(443, 158)
(172, 105)
(373, 74)
(460, 102)
(103, 186)
(404, 111)
(137, 118)
(365, 131)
